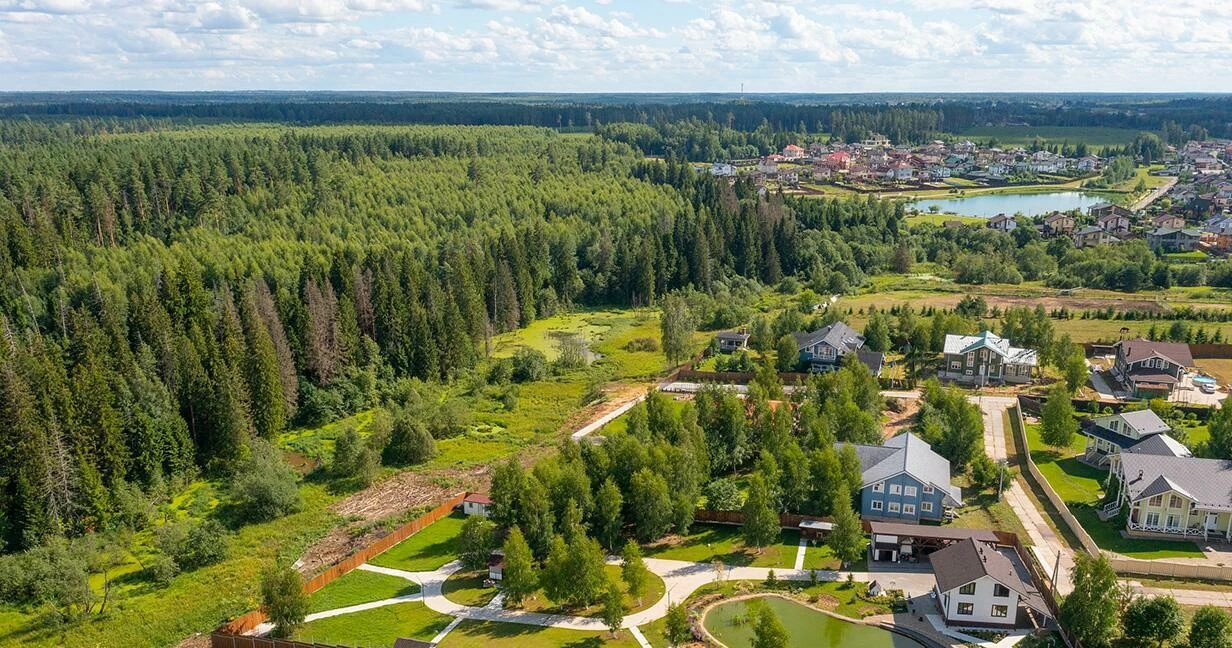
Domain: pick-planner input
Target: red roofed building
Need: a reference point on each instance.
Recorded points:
(792, 152)
(477, 504)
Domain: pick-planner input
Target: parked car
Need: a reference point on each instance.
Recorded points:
(1207, 388)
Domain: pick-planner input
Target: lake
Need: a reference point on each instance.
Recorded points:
(1032, 204)
(731, 624)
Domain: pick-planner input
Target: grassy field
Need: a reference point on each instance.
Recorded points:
(143, 614)
(427, 550)
(1079, 486)
(709, 542)
(376, 627)
(1095, 137)
(487, 634)
(1221, 369)
(357, 587)
(941, 218)
(318, 443)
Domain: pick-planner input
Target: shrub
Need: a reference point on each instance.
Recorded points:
(642, 344)
(529, 365)
(410, 442)
(265, 487)
(191, 546)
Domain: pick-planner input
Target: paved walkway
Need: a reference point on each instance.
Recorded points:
(680, 578)
(1154, 195)
(1044, 541)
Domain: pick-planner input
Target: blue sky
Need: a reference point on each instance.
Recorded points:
(618, 45)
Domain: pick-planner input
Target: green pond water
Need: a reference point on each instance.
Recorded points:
(806, 627)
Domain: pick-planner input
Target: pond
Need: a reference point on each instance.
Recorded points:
(991, 204)
(731, 624)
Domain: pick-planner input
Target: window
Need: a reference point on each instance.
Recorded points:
(909, 509)
(877, 505)
(1000, 591)
(1000, 611)
(928, 489)
(879, 487)
(956, 364)
(909, 491)
(894, 507)
(1152, 519)
(968, 589)
(926, 507)
(966, 609)
(1155, 501)
(896, 489)
(1173, 521)
(1175, 502)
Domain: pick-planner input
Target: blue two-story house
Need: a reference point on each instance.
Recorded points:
(824, 349)
(905, 481)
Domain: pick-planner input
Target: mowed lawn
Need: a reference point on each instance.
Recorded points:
(488, 634)
(709, 542)
(1080, 486)
(357, 587)
(376, 627)
(427, 550)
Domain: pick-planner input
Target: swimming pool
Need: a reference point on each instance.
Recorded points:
(1204, 380)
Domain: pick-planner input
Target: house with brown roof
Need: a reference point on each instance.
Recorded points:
(1168, 220)
(1092, 236)
(1108, 209)
(1114, 223)
(477, 504)
(1151, 369)
(978, 586)
(1058, 223)
(1002, 223)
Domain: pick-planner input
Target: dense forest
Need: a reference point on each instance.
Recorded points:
(168, 296)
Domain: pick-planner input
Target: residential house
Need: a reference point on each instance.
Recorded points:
(768, 166)
(1178, 496)
(978, 586)
(477, 504)
(986, 358)
(875, 140)
(1091, 236)
(1087, 163)
(792, 152)
(1170, 239)
(939, 171)
(1108, 436)
(1114, 223)
(496, 565)
(723, 170)
(1168, 220)
(1058, 223)
(824, 349)
(901, 171)
(1003, 223)
(730, 341)
(1107, 209)
(905, 481)
(1217, 234)
(1150, 369)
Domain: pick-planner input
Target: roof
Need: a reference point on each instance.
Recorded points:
(1101, 432)
(816, 525)
(1089, 229)
(477, 498)
(733, 335)
(968, 560)
(1056, 216)
(907, 453)
(871, 359)
(1208, 482)
(1142, 422)
(1160, 445)
(838, 335)
(963, 344)
(1139, 349)
(1169, 231)
(929, 531)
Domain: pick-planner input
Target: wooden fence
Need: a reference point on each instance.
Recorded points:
(220, 640)
(786, 520)
(247, 622)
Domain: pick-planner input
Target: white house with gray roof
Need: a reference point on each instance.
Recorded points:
(1181, 496)
(905, 481)
(1108, 436)
(987, 358)
(824, 349)
(980, 587)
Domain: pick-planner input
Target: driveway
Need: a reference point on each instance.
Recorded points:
(1044, 541)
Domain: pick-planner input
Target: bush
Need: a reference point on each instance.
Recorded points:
(265, 487)
(722, 495)
(282, 595)
(354, 459)
(410, 442)
(163, 570)
(642, 344)
(191, 546)
(529, 365)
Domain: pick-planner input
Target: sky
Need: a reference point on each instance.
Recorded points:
(618, 45)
